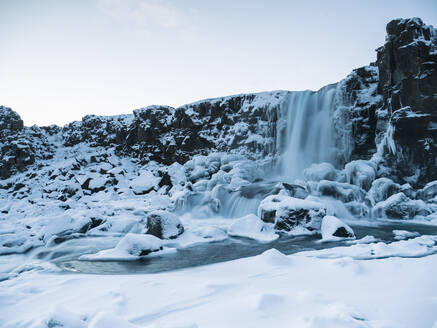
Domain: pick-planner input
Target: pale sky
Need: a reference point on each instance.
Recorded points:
(61, 60)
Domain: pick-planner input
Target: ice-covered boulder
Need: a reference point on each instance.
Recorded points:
(381, 189)
(163, 224)
(361, 173)
(322, 171)
(345, 192)
(428, 192)
(131, 247)
(288, 212)
(399, 206)
(251, 226)
(144, 183)
(334, 228)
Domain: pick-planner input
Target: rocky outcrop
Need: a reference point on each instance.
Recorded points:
(390, 104)
(407, 66)
(20, 146)
(241, 123)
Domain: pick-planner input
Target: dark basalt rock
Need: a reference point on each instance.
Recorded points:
(10, 121)
(408, 83)
(163, 224)
(342, 233)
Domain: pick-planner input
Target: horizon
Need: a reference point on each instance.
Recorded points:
(66, 59)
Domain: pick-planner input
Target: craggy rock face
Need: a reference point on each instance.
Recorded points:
(408, 82)
(396, 94)
(19, 146)
(167, 135)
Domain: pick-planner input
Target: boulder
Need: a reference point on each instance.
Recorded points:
(251, 226)
(144, 183)
(428, 192)
(322, 171)
(361, 173)
(381, 189)
(342, 191)
(399, 206)
(163, 224)
(288, 212)
(334, 228)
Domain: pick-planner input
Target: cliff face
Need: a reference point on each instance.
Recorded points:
(391, 103)
(407, 66)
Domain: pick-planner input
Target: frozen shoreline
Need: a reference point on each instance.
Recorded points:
(268, 290)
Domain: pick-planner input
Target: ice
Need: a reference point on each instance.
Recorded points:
(381, 189)
(361, 173)
(130, 247)
(399, 206)
(403, 234)
(251, 226)
(415, 247)
(322, 171)
(302, 290)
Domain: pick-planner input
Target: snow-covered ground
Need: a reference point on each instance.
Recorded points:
(268, 290)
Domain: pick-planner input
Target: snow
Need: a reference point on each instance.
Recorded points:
(131, 247)
(361, 173)
(251, 226)
(145, 181)
(381, 189)
(403, 234)
(415, 247)
(322, 171)
(97, 183)
(399, 206)
(330, 225)
(303, 290)
(165, 224)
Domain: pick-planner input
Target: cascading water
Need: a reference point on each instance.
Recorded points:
(305, 130)
(304, 135)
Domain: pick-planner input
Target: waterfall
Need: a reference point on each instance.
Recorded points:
(305, 130)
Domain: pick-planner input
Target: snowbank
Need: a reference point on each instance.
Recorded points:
(251, 226)
(131, 247)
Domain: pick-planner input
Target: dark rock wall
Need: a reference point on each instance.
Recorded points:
(407, 66)
(398, 91)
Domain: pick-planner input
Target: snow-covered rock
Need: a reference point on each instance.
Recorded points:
(345, 192)
(144, 182)
(399, 206)
(163, 224)
(333, 228)
(429, 191)
(251, 226)
(361, 173)
(289, 212)
(322, 171)
(381, 189)
(130, 247)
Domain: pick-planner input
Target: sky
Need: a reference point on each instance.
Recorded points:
(63, 59)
